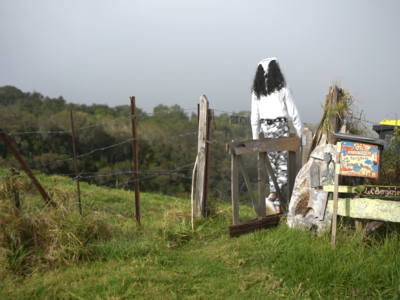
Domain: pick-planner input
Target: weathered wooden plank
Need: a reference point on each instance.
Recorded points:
(235, 189)
(373, 209)
(261, 179)
(254, 225)
(239, 120)
(291, 143)
(335, 194)
(201, 152)
(206, 208)
(231, 145)
(306, 138)
(256, 205)
(341, 188)
(291, 173)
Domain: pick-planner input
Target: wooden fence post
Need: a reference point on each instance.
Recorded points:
(306, 140)
(207, 167)
(135, 160)
(261, 179)
(235, 188)
(201, 153)
(291, 178)
(75, 161)
(335, 193)
(26, 168)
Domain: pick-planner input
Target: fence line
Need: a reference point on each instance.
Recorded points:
(132, 181)
(163, 172)
(112, 146)
(64, 131)
(82, 128)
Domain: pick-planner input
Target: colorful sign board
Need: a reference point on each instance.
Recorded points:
(359, 159)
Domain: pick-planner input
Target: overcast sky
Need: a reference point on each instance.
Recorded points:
(172, 52)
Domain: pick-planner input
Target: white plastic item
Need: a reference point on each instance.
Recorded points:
(270, 207)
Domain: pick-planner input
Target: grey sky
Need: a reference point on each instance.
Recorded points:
(171, 52)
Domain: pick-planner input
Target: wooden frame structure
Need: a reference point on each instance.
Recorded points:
(261, 146)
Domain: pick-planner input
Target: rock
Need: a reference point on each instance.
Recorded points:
(299, 214)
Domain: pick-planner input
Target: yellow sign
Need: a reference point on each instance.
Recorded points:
(391, 122)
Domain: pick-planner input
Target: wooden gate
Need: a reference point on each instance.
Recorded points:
(261, 146)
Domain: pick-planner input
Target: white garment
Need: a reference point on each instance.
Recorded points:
(277, 104)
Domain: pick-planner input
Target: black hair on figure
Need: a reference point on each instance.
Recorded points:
(275, 80)
(259, 86)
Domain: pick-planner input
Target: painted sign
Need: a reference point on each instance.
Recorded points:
(386, 191)
(359, 159)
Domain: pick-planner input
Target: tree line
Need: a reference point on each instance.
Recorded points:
(158, 150)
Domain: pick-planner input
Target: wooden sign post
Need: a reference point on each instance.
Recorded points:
(358, 157)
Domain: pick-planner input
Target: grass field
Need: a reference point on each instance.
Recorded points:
(165, 259)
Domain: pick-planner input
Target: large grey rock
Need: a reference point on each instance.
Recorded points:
(300, 213)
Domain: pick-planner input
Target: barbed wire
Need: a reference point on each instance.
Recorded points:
(65, 131)
(165, 172)
(112, 146)
(143, 178)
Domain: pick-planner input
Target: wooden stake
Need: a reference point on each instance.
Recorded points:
(235, 189)
(201, 152)
(306, 135)
(318, 131)
(75, 160)
(207, 166)
(333, 117)
(291, 178)
(26, 168)
(261, 179)
(135, 160)
(335, 193)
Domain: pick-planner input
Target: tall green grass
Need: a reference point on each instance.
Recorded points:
(165, 258)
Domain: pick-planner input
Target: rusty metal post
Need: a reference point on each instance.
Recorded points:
(135, 159)
(207, 169)
(76, 161)
(26, 168)
(198, 114)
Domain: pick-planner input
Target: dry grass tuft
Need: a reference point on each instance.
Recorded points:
(35, 236)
